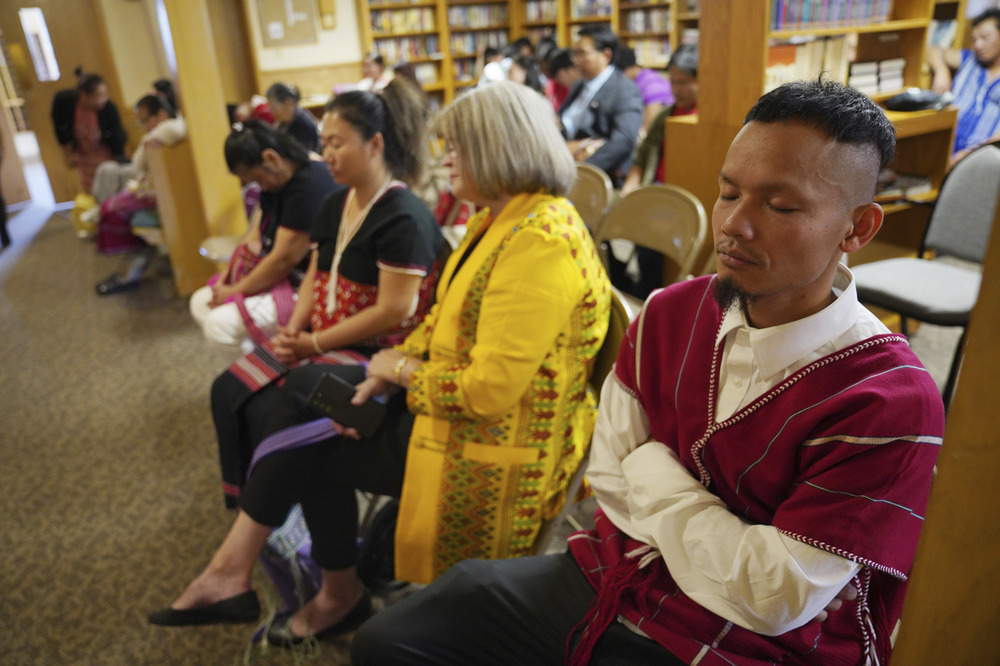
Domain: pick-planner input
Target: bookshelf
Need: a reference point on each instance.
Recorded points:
(737, 41)
(654, 28)
(442, 37)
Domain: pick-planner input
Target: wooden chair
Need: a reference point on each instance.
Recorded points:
(591, 195)
(665, 218)
(603, 364)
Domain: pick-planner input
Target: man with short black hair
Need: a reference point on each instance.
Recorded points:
(602, 114)
(763, 451)
(976, 85)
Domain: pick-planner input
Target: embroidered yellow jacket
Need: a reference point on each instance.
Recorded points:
(504, 415)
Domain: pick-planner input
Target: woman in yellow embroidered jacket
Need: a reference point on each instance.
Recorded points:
(497, 373)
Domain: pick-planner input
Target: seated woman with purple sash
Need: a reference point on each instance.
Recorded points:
(370, 281)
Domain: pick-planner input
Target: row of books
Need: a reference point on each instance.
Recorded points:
(426, 72)
(942, 33)
(477, 16)
(588, 8)
(806, 59)
(472, 42)
(647, 20)
(811, 14)
(394, 49)
(403, 20)
(877, 77)
(893, 186)
(465, 70)
(652, 53)
(540, 10)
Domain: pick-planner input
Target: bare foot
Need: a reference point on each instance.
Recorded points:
(324, 611)
(210, 587)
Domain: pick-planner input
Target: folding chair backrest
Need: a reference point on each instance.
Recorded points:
(665, 218)
(591, 194)
(608, 354)
(963, 215)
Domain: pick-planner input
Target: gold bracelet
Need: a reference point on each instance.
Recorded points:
(400, 364)
(316, 343)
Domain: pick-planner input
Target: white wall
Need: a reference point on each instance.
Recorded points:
(134, 47)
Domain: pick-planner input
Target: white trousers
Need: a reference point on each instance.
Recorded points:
(223, 325)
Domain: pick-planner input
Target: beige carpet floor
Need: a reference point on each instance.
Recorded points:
(109, 487)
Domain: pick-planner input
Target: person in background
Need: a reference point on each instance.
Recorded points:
(764, 448)
(488, 66)
(289, 117)
(88, 127)
(524, 70)
(602, 114)
(165, 88)
(562, 74)
(650, 166)
(235, 308)
(654, 88)
(976, 86)
(162, 127)
(370, 282)
(376, 74)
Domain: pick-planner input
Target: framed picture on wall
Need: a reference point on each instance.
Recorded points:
(287, 22)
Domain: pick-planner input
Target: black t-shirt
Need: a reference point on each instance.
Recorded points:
(303, 129)
(295, 205)
(398, 233)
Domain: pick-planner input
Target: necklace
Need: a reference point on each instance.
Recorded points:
(347, 231)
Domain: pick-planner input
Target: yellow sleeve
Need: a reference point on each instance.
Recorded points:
(527, 302)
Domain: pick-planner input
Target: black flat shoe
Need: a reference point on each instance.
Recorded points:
(280, 633)
(114, 284)
(234, 610)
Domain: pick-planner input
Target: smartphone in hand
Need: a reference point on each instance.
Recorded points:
(331, 397)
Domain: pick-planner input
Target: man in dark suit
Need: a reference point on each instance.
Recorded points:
(602, 114)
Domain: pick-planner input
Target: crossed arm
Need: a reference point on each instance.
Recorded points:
(748, 574)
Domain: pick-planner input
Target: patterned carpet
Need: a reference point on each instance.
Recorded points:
(109, 483)
(109, 486)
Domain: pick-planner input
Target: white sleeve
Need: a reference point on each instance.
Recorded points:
(748, 574)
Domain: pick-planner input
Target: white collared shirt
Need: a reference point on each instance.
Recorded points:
(756, 360)
(572, 113)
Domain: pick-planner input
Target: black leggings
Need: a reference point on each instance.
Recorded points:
(323, 476)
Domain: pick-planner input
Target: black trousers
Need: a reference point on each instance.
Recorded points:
(498, 612)
(322, 476)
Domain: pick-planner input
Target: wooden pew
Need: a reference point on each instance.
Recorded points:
(182, 212)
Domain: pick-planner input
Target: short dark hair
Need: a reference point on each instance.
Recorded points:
(685, 58)
(165, 89)
(845, 114)
(603, 37)
(991, 13)
(521, 42)
(282, 92)
(246, 144)
(532, 75)
(153, 104)
(376, 58)
(558, 60)
(625, 57)
(87, 82)
(490, 52)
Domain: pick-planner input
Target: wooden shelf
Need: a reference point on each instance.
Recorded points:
(887, 26)
(400, 5)
(589, 19)
(485, 28)
(408, 33)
